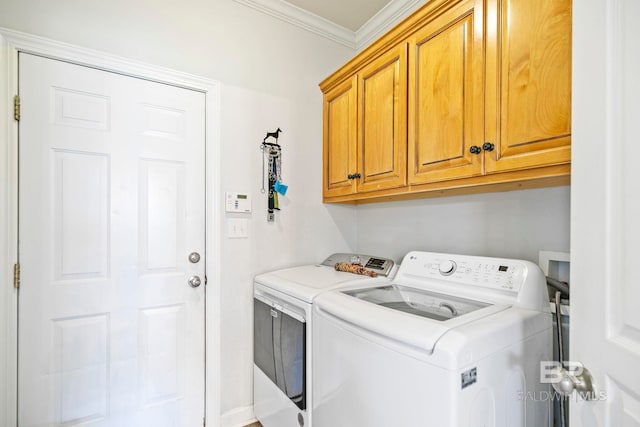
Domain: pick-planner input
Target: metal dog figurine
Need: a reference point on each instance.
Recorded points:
(272, 134)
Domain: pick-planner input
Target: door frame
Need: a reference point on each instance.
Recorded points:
(11, 43)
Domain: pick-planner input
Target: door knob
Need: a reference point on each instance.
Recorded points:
(194, 281)
(580, 380)
(194, 257)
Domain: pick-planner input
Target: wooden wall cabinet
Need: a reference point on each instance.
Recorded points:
(463, 96)
(340, 138)
(445, 93)
(528, 84)
(364, 128)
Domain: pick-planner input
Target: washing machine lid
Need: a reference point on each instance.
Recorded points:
(304, 282)
(307, 281)
(418, 302)
(412, 317)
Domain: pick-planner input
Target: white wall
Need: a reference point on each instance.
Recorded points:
(305, 231)
(269, 71)
(219, 39)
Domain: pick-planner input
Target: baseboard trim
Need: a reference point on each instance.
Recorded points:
(238, 417)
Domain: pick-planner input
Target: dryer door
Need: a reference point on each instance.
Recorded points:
(279, 343)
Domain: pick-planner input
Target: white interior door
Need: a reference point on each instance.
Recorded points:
(605, 210)
(111, 204)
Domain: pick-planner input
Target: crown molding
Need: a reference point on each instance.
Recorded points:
(379, 23)
(386, 18)
(303, 19)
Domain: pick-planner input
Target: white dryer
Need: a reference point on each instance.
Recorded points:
(282, 333)
(451, 341)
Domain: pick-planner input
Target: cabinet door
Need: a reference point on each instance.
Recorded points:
(528, 100)
(382, 130)
(339, 134)
(445, 95)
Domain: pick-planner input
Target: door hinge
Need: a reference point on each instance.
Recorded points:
(16, 108)
(16, 275)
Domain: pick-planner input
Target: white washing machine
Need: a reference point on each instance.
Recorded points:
(451, 341)
(282, 333)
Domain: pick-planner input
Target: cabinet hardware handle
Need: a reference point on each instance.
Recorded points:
(353, 176)
(350, 176)
(488, 146)
(357, 175)
(474, 149)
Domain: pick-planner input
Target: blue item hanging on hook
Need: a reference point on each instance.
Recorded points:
(280, 187)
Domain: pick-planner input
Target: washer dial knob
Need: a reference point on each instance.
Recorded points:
(447, 267)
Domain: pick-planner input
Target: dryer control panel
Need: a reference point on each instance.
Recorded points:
(382, 266)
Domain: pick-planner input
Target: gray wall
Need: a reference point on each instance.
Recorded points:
(515, 224)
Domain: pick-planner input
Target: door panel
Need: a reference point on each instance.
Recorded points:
(528, 84)
(81, 217)
(82, 371)
(111, 204)
(605, 233)
(382, 142)
(339, 150)
(161, 190)
(445, 89)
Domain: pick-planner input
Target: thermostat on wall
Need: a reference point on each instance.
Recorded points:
(237, 202)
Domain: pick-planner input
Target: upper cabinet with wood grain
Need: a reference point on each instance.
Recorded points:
(382, 133)
(528, 84)
(445, 90)
(340, 136)
(364, 128)
(463, 96)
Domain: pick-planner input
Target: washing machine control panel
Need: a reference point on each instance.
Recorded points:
(494, 273)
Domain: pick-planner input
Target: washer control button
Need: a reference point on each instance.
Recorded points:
(447, 267)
